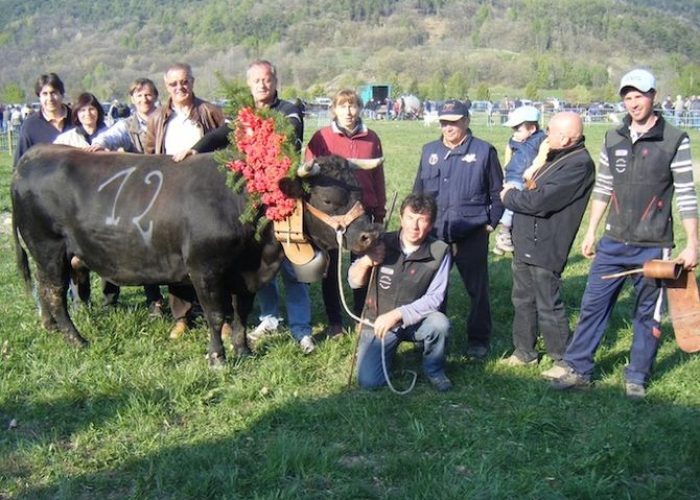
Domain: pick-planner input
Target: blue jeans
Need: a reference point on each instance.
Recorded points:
(297, 298)
(597, 305)
(433, 331)
(507, 217)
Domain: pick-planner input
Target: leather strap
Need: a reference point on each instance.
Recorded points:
(337, 222)
(290, 233)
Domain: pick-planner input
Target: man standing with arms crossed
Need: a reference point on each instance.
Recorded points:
(641, 165)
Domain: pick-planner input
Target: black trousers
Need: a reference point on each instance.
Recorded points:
(537, 305)
(470, 255)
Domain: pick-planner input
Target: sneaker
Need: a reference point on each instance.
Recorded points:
(555, 372)
(570, 380)
(635, 391)
(268, 325)
(307, 344)
(440, 382)
(477, 351)
(514, 360)
(503, 241)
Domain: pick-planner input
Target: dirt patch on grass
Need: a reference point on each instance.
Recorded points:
(5, 223)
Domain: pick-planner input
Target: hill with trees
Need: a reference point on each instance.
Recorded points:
(433, 48)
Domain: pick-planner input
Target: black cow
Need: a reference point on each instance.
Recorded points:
(140, 219)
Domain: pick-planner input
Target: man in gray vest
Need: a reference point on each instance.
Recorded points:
(404, 297)
(642, 163)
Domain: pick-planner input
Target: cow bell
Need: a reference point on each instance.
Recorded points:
(314, 269)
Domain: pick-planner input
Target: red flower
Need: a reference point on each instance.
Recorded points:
(265, 163)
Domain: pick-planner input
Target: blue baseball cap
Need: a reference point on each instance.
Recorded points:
(453, 110)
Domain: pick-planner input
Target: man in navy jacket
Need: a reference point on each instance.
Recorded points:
(463, 175)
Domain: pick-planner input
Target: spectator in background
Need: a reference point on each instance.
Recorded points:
(348, 137)
(678, 109)
(464, 176)
(53, 117)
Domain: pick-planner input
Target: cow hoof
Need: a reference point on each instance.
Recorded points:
(242, 351)
(216, 360)
(76, 341)
(179, 329)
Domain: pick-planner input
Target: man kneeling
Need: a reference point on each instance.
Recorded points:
(405, 295)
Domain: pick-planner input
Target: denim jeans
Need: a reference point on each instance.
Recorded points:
(507, 217)
(433, 331)
(297, 298)
(597, 305)
(537, 304)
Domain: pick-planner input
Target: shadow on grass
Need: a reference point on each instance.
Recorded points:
(501, 433)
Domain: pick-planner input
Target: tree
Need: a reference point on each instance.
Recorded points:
(531, 91)
(456, 86)
(483, 93)
(12, 94)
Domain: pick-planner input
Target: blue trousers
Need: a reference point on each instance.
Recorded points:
(599, 299)
(433, 331)
(297, 298)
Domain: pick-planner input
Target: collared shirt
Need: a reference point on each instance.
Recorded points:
(118, 135)
(181, 132)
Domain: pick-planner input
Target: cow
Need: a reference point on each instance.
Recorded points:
(142, 219)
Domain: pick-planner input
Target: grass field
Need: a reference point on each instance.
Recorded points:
(137, 415)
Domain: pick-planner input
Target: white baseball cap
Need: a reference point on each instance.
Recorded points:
(521, 115)
(639, 79)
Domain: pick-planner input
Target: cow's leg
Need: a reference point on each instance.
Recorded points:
(211, 294)
(243, 304)
(54, 308)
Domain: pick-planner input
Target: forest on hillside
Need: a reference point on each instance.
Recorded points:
(434, 48)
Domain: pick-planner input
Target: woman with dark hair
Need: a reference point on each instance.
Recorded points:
(89, 121)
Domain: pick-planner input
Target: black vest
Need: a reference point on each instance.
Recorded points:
(400, 279)
(640, 207)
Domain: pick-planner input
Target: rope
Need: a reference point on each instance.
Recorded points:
(364, 321)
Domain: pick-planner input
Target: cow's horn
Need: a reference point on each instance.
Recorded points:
(308, 169)
(366, 164)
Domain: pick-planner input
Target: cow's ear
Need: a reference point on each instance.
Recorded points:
(291, 188)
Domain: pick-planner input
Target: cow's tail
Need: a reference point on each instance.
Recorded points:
(21, 257)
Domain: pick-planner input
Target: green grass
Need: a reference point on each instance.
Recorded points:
(137, 415)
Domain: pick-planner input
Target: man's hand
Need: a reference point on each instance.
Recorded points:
(178, 157)
(588, 245)
(506, 187)
(688, 257)
(94, 148)
(385, 322)
(375, 255)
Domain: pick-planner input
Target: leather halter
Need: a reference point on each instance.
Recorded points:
(337, 222)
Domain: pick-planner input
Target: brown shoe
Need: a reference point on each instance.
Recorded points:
(514, 360)
(179, 329)
(226, 333)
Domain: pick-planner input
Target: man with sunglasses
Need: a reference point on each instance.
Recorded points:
(174, 127)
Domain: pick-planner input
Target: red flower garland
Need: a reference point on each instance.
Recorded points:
(265, 163)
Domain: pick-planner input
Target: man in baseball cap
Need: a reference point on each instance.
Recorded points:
(642, 163)
(639, 79)
(453, 110)
(462, 173)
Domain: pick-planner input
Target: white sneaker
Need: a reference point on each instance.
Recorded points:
(307, 344)
(268, 325)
